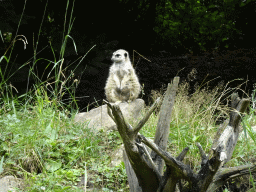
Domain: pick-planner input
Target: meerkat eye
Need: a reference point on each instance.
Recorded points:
(125, 54)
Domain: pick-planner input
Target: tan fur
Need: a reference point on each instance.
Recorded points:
(122, 83)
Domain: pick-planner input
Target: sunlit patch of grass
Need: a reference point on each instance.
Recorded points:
(42, 139)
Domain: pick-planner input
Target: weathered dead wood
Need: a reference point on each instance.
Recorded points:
(223, 146)
(225, 174)
(148, 168)
(132, 179)
(226, 142)
(163, 125)
(142, 122)
(179, 169)
(147, 177)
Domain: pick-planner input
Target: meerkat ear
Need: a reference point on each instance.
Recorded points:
(125, 54)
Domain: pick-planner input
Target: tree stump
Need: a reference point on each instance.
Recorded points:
(145, 170)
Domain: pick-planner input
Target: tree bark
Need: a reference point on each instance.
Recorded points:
(163, 125)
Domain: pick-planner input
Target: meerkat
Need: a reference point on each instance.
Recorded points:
(122, 83)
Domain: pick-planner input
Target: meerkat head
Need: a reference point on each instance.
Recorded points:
(120, 56)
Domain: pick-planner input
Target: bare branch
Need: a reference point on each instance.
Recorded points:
(109, 106)
(163, 125)
(150, 160)
(219, 132)
(181, 170)
(207, 173)
(225, 142)
(132, 179)
(224, 174)
(149, 112)
(203, 155)
(147, 177)
(224, 146)
(183, 154)
(235, 115)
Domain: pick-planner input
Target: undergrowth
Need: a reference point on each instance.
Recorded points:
(194, 118)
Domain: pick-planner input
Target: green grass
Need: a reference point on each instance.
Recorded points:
(43, 145)
(42, 139)
(40, 142)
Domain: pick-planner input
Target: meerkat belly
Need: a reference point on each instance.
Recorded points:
(121, 78)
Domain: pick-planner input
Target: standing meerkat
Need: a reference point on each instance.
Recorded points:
(122, 83)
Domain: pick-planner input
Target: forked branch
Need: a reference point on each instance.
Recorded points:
(145, 170)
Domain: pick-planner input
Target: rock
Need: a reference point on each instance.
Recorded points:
(9, 183)
(98, 118)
